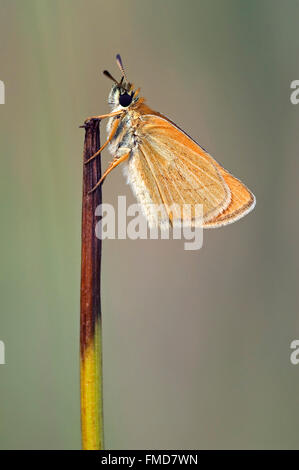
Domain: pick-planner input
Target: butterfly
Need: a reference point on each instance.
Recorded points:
(165, 167)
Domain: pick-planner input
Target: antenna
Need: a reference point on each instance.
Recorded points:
(108, 74)
(121, 67)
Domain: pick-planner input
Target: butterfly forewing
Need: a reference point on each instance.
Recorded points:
(183, 172)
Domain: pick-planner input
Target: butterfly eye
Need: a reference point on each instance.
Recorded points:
(125, 99)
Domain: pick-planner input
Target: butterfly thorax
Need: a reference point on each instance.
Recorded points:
(126, 137)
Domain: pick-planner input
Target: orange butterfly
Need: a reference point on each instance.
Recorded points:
(165, 167)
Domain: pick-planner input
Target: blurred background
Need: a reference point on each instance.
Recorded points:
(196, 343)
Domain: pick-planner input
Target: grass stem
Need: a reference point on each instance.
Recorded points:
(91, 373)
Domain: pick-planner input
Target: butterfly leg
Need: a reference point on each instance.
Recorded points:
(102, 116)
(112, 133)
(115, 162)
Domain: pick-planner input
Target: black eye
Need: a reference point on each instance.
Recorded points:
(125, 99)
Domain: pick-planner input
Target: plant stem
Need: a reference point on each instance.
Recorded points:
(90, 302)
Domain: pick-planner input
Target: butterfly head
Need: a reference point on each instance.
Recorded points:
(122, 93)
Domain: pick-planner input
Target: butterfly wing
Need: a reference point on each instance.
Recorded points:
(170, 169)
(242, 202)
(181, 171)
(144, 186)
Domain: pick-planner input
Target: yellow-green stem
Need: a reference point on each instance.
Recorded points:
(92, 394)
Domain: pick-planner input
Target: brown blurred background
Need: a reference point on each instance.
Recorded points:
(196, 344)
